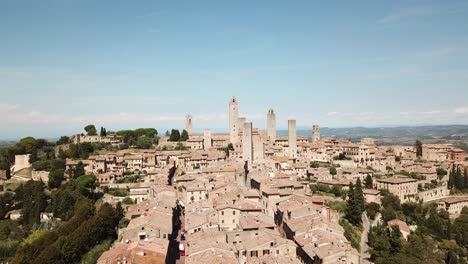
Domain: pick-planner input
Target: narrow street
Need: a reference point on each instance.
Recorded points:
(174, 256)
(181, 259)
(365, 236)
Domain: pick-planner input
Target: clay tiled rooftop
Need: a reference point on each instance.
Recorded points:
(397, 180)
(453, 200)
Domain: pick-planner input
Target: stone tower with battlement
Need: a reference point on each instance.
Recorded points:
(233, 120)
(189, 124)
(292, 139)
(247, 147)
(315, 133)
(271, 125)
(240, 125)
(207, 139)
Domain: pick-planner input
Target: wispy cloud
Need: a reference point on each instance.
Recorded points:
(150, 14)
(461, 110)
(404, 13)
(154, 30)
(6, 108)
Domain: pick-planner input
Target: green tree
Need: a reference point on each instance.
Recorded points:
(437, 224)
(372, 209)
(184, 136)
(34, 201)
(336, 190)
(63, 140)
(33, 157)
(354, 209)
(63, 203)
(228, 149)
(368, 182)
(465, 178)
(127, 200)
(314, 164)
(390, 200)
(451, 180)
(6, 201)
(441, 172)
(359, 196)
(167, 134)
(333, 170)
(90, 130)
(103, 132)
(147, 132)
(175, 135)
(86, 181)
(77, 170)
(459, 180)
(144, 142)
(71, 247)
(55, 178)
(460, 228)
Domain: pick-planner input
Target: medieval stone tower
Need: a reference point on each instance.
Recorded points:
(233, 120)
(271, 125)
(315, 133)
(189, 124)
(247, 147)
(292, 138)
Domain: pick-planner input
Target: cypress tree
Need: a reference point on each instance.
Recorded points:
(450, 180)
(368, 182)
(184, 136)
(353, 210)
(465, 176)
(175, 135)
(459, 181)
(359, 196)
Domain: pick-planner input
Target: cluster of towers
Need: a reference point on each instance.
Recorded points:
(250, 141)
(241, 130)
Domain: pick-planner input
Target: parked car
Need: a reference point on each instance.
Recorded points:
(182, 249)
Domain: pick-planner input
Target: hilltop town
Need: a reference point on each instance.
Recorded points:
(246, 196)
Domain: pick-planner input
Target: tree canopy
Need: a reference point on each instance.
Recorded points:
(175, 135)
(90, 130)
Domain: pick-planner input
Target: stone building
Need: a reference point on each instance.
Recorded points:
(271, 125)
(403, 187)
(247, 148)
(453, 205)
(315, 133)
(292, 139)
(207, 139)
(233, 120)
(189, 124)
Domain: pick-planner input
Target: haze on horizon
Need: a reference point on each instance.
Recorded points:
(121, 64)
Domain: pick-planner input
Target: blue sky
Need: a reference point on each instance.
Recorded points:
(128, 64)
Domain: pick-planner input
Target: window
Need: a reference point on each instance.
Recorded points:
(266, 252)
(233, 221)
(233, 212)
(222, 222)
(253, 254)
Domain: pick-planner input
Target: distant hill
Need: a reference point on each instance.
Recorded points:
(6, 143)
(399, 135)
